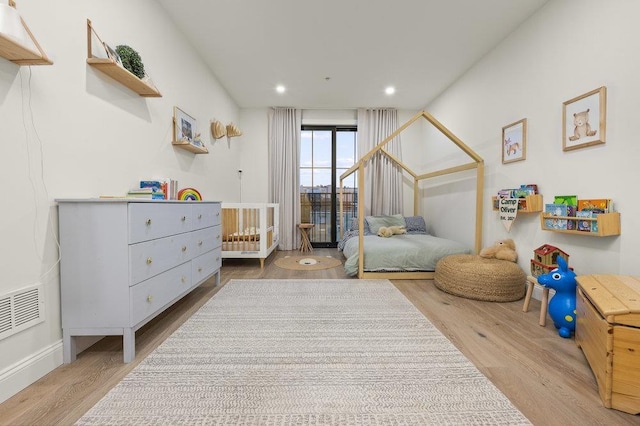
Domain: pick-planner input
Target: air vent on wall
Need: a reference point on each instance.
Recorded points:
(20, 310)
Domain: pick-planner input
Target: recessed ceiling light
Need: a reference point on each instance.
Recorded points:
(390, 90)
(280, 88)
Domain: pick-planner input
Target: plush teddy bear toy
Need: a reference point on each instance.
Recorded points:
(503, 250)
(387, 232)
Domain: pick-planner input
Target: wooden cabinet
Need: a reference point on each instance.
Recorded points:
(19, 53)
(125, 261)
(608, 224)
(529, 204)
(116, 71)
(608, 331)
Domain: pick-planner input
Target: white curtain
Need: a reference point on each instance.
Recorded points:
(284, 160)
(383, 179)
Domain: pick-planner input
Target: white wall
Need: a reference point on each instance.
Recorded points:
(68, 130)
(567, 49)
(254, 161)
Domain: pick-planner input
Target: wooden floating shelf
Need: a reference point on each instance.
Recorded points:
(532, 204)
(190, 147)
(608, 224)
(117, 72)
(20, 54)
(124, 77)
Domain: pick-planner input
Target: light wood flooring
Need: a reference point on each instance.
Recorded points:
(544, 375)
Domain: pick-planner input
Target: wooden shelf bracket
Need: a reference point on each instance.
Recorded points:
(15, 51)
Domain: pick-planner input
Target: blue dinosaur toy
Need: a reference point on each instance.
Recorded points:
(562, 306)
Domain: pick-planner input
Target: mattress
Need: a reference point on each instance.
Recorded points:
(400, 253)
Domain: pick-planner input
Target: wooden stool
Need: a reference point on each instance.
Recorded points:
(305, 242)
(544, 303)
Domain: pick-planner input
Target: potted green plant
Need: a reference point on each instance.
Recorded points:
(131, 60)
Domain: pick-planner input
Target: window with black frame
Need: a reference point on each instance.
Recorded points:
(325, 153)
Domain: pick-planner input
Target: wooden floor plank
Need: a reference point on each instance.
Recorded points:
(544, 375)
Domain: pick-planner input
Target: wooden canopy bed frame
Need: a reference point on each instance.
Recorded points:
(364, 161)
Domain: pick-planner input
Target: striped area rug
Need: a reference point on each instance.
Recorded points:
(305, 352)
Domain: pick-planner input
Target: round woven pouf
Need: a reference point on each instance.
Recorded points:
(474, 277)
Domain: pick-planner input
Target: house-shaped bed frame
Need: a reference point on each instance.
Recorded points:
(364, 161)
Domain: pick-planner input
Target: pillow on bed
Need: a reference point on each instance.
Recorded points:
(375, 222)
(416, 225)
(354, 226)
(347, 235)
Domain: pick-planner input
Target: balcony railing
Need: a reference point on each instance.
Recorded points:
(316, 209)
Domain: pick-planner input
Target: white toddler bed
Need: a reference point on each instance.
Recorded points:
(250, 230)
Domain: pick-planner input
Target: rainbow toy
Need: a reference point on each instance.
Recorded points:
(189, 194)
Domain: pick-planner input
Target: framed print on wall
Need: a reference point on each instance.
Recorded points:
(584, 120)
(184, 128)
(514, 141)
(185, 132)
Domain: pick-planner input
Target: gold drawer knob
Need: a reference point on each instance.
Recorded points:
(184, 248)
(183, 279)
(149, 260)
(149, 298)
(148, 222)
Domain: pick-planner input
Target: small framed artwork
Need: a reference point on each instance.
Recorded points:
(584, 120)
(112, 54)
(184, 126)
(185, 132)
(514, 141)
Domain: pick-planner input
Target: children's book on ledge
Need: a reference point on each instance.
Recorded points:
(584, 210)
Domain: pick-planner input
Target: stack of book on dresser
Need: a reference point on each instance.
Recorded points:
(148, 193)
(564, 207)
(157, 189)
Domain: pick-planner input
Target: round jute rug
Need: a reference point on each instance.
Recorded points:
(307, 263)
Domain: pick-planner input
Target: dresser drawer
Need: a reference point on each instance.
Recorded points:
(205, 215)
(151, 258)
(148, 221)
(205, 265)
(149, 296)
(207, 239)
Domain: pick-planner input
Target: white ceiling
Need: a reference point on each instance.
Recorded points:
(343, 53)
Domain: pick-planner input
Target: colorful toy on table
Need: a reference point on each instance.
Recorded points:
(562, 307)
(189, 194)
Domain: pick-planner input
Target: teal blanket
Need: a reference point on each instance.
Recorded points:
(406, 252)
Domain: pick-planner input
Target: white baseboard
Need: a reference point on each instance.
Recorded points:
(537, 292)
(26, 371)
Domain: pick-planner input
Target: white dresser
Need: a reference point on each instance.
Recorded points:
(123, 261)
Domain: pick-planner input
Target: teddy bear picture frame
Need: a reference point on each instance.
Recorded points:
(584, 120)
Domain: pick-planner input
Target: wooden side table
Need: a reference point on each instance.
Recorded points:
(305, 242)
(544, 303)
